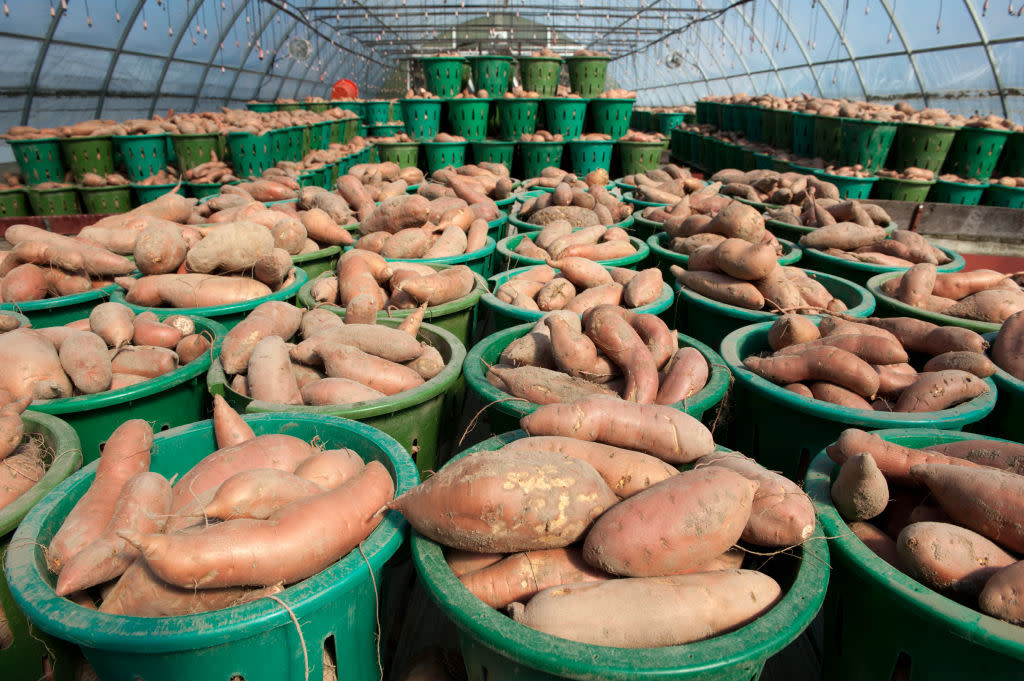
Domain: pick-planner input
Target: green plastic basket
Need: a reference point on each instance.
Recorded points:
(422, 118)
(710, 321)
(666, 257)
(803, 133)
(587, 74)
(40, 160)
(540, 74)
(826, 142)
(386, 130)
(784, 129)
(316, 107)
(639, 157)
(444, 154)
(61, 201)
(194, 150)
(260, 107)
(226, 315)
(319, 136)
(889, 306)
(480, 261)
(494, 151)
(764, 414)
(89, 155)
(251, 155)
(144, 193)
(405, 154)
(536, 156)
(922, 146)
(443, 74)
(358, 108)
(376, 111)
(865, 142)
(457, 317)
(704, 112)
(974, 152)
(491, 72)
(504, 412)
(316, 263)
(784, 230)
(417, 419)
(467, 117)
(517, 116)
(505, 315)
(507, 259)
(960, 193)
(861, 272)
(1011, 161)
(752, 117)
(565, 116)
(174, 399)
(307, 141)
(1004, 421)
(849, 187)
(143, 155)
(497, 648)
(898, 189)
(268, 639)
(588, 156)
(60, 311)
(33, 654)
(527, 227)
(768, 126)
(13, 203)
(611, 116)
(732, 118)
(203, 190)
(106, 200)
(997, 195)
(924, 635)
(665, 123)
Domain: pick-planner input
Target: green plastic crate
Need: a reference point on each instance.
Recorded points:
(1000, 195)
(405, 154)
(251, 155)
(639, 157)
(861, 272)
(803, 133)
(270, 639)
(768, 126)
(443, 154)
(316, 107)
(89, 155)
(665, 123)
(540, 74)
(104, 200)
(60, 201)
(923, 634)
(142, 155)
(491, 72)
(849, 187)
(13, 203)
(922, 146)
(784, 129)
(319, 136)
(587, 74)
(565, 116)
(443, 74)
(974, 152)
(40, 160)
(898, 189)
(376, 111)
(865, 142)
(260, 107)
(588, 156)
(536, 156)
(827, 132)
(611, 116)
(765, 414)
(752, 117)
(961, 193)
(144, 193)
(194, 150)
(422, 118)
(1011, 161)
(517, 116)
(467, 117)
(494, 151)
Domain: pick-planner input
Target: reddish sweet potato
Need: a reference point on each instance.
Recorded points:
(257, 493)
(895, 461)
(522, 575)
(937, 390)
(84, 358)
(613, 335)
(950, 558)
(686, 374)
(331, 467)
(273, 318)
(1001, 595)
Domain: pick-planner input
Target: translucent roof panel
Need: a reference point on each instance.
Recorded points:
(73, 59)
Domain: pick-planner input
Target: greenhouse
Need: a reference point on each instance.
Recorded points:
(518, 341)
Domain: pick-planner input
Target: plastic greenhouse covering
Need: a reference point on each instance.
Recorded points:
(69, 60)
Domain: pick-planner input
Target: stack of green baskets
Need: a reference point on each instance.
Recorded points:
(58, 201)
(587, 74)
(405, 154)
(540, 74)
(590, 155)
(40, 160)
(494, 151)
(375, 111)
(194, 150)
(536, 156)
(849, 187)
(565, 116)
(639, 157)
(422, 118)
(517, 116)
(491, 72)
(467, 117)
(899, 189)
(865, 142)
(13, 203)
(803, 133)
(443, 75)
(610, 116)
(961, 193)
(251, 154)
(666, 121)
(1002, 195)
(975, 152)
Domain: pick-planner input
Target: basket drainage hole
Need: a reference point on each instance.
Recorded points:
(330, 659)
(165, 426)
(901, 672)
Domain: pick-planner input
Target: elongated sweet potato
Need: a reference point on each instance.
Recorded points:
(336, 390)
(721, 287)
(471, 505)
(391, 344)
(148, 330)
(616, 338)
(396, 214)
(229, 427)
(543, 386)
(270, 373)
(444, 286)
(937, 390)
(24, 282)
(823, 363)
(950, 558)
(330, 467)
(232, 247)
(686, 374)
(895, 461)
(144, 360)
(1007, 456)
(993, 305)
(959, 285)
(465, 562)
(272, 318)
(522, 575)
(191, 290)
(962, 360)
(84, 358)
(19, 471)
(1001, 595)
(651, 612)
(916, 284)
(881, 544)
(257, 493)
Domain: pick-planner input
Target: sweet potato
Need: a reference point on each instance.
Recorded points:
(142, 505)
(582, 272)
(62, 283)
(644, 288)
(1008, 349)
(32, 366)
(781, 513)
(993, 305)
(84, 358)
(1007, 456)
(613, 335)
(465, 562)
(322, 229)
(11, 426)
(489, 502)
(68, 253)
(605, 294)
(543, 386)
(881, 544)
(19, 471)
(846, 236)
(24, 282)
(830, 392)
(950, 558)
(821, 363)
(331, 467)
(444, 286)
(300, 540)
(720, 287)
(160, 249)
(651, 612)
(872, 349)
(113, 323)
(125, 454)
(1001, 595)
(429, 364)
(143, 360)
(270, 374)
(664, 432)
(192, 347)
(396, 214)
(273, 268)
(791, 329)
(959, 285)
(962, 360)
(933, 391)
(191, 290)
(257, 493)
(738, 220)
(522, 575)
(895, 461)
(686, 375)
(918, 335)
(985, 500)
(391, 344)
(916, 284)
(272, 318)
(860, 491)
(334, 390)
(229, 427)
(743, 260)
(346, 361)
(148, 330)
(230, 248)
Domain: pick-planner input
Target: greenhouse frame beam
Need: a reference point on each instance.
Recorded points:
(796, 39)
(170, 54)
(764, 48)
(991, 58)
(906, 50)
(739, 55)
(245, 58)
(626, 19)
(299, 16)
(846, 44)
(40, 58)
(130, 24)
(712, 14)
(217, 46)
(273, 56)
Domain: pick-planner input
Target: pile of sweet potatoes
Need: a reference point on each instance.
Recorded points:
(949, 515)
(980, 295)
(551, 177)
(599, 520)
(579, 284)
(869, 244)
(23, 461)
(611, 352)
(869, 363)
(772, 187)
(112, 349)
(487, 179)
(1007, 351)
(667, 184)
(259, 513)
(329, 362)
(579, 207)
(559, 239)
(382, 181)
(366, 284)
(817, 211)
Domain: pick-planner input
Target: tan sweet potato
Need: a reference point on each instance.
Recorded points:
(270, 374)
(84, 358)
(686, 374)
(860, 491)
(522, 575)
(821, 363)
(791, 329)
(32, 367)
(144, 360)
(937, 390)
(950, 558)
(721, 287)
(1001, 595)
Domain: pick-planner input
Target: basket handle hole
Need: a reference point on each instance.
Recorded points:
(902, 670)
(330, 658)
